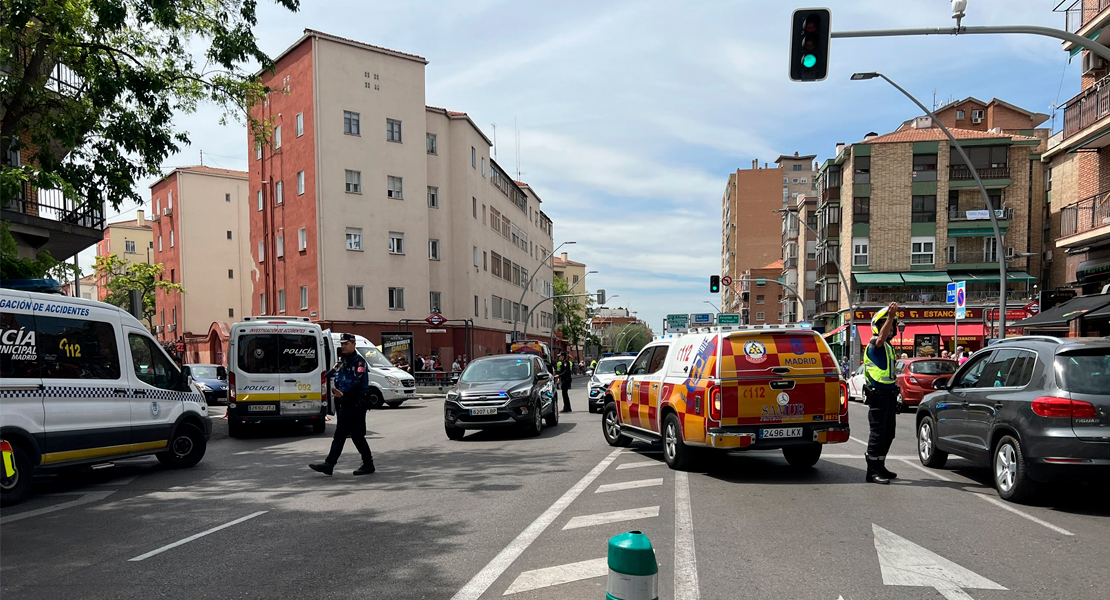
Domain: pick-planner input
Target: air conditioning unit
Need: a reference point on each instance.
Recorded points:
(1092, 62)
(976, 119)
(157, 329)
(155, 217)
(172, 326)
(1048, 255)
(167, 212)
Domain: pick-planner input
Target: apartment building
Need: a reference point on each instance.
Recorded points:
(201, 230)
(372, 210)
(916, 221)
(132, 241)
(761, 297)
(799, 259)
(574, 273)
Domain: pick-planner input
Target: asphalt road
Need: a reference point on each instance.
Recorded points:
(501, 514)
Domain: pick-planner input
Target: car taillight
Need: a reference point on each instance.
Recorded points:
(1063, 408)
(231, 387)
(715, 403)
(913, 380)
(843, 398)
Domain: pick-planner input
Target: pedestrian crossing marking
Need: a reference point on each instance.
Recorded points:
(637, 465)
(557, 575)
(628, 485)
(615, 516)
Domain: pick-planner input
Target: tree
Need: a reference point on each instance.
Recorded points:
(90, 87)
(123, 277)
(634, 338)
(571, 313)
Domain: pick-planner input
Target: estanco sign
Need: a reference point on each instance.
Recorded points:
(923, 314)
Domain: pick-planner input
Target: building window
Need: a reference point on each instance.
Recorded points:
(953, 204)
(861, 209)
(300, 183)
(231, 312)
(495, 267)
(1048, 181)
(129, 246)
(804, 180)
(861, 252)
(260, 201)
(171, 238)
(159, 243)
(354, 296)
(953, 256)
(990, 249)
(257, 151)
(354, 238)
(862, 169)
(959, 115)
(474, 206)
(392, 130)
(483, 166)
(475, 256)
(277, 137)
(396, 298)
(924, 209)
(229, 234)
(795, 180)
(760, 299)
(977, 116)
(262, 304)
(261, 251)
(433, 249)
(279, 192)
(435, 301)
(475, 307)
(924, 167)
(300, 124)
(432, 143)
(433, 197)
(396, 242)
(281, 301)
(983, 157)
(496, 307)
(231, 273)
(354, 182)
(302, 239)
(280, 245)
(796, 168)
(473, 157)
(227, 197)
(350, 123)
(922, 250)
(393, 187)
(304, 297)
(760, 316)
(485, 261)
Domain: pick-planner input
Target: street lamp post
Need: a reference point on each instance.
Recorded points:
(1001, 249)
(528, 285)
(713, 305)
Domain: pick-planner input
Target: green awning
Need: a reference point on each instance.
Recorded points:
(926, 277)
(987, 231)
(989, 277)
(878, 279)
(1077, 48)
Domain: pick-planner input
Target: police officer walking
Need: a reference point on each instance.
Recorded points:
(352, 382)
(881, 393)
(562, 371)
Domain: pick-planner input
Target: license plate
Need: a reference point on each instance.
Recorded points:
(261, 408)
(781, 432)
(483, 411)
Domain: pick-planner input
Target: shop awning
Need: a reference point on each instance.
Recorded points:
(970, 330)
(904, 338)
(1102, 313)
(878, 279)
(1060, 316)
(993, 277)
(926, 277)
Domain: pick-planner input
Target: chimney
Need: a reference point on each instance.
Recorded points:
(755, 163)
(140, 218)
(922, 122)
(795, 154)
(564, 256)
(839, 148)
(870, 136)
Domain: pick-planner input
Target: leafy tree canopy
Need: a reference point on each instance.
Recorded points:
(123, 277)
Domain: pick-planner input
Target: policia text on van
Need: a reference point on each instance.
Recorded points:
(83, 382)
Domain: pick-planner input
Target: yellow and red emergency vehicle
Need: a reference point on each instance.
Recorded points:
(733, 388)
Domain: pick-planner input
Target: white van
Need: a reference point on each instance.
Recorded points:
(388, 384)
(83, 382)
(277, 371)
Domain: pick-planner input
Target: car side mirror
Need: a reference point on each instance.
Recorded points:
(543, 376)
(940, 383)
(620, 370)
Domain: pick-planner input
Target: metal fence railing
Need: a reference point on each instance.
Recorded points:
(1086, 214)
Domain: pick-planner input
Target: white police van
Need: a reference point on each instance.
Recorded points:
(388, 384)
(83, 382)
(277, 371)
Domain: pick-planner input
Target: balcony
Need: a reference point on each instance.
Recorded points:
(829, 306)
(790, 262)
(972, 259)
(963, 173)
(978, 214)
(1080, 13)
(1083, 118)
(47, 220)
(1085, 221)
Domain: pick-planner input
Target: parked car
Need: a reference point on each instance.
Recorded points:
(855, 383)
(211, 379)
(1035, 409)
(508, 390)
(915, 377)
(604, 374)
(389, 385)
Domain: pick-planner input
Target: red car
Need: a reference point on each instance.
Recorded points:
(916, 375)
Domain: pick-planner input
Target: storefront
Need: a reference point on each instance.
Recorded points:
(1082, 316)
(927, 331)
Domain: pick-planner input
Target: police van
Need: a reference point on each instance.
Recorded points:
(277, 371)
(763, 387)
(83, 382)
(388, 384)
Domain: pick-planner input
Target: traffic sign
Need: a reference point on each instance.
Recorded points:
(951, 299)
(726, 281)
(677, 323)
(728, 319)
(702, 318)
(961, 300)
(435, 319)
(435, 331)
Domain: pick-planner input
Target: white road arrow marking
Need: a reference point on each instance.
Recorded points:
(640, 464)
(616, 516)
(905, 563)
(541, 578)
(628, 485)
(86, 498)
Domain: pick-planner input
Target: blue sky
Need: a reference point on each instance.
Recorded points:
(631, 115)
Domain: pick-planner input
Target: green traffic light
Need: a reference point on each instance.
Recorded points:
(808, 61)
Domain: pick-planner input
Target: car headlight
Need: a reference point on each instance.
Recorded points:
(453, 396)
(594, 379)
(203, 386)
(393, 381)
(522, 392)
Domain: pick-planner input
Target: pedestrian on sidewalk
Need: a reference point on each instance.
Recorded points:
(352, 383)
(881, 393)
(562, 371)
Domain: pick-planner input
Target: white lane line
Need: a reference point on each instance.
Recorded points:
(637, 465)
(930, 472)
(628, 485)
(856, 439)
(197, 536)
(685, 560)
(489, 574)
(616, 516)
(86, 498)
(1003, 505)
(541, 578)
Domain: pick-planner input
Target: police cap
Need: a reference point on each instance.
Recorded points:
(347, 337)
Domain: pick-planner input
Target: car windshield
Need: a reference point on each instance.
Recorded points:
(511, 369)
(373, 356)
(1085, 371)
(608, 367)
(933, 367)
(267, 353)
(202, 371)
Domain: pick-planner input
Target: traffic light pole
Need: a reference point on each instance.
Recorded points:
(1059, 34)
(787, 287)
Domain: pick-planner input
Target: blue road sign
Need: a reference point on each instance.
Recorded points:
(961, 299)
(951, 293)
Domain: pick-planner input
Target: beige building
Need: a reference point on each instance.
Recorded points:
(202, 238)
(573, 273)
(371, 210)
(131, 240)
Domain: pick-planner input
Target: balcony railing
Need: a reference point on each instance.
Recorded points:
(1081, 12)
(790, 262)
(1085, 215)
(963, 173)
(978, 213)
(829, 306)
(53, 205)
(1087, 108)
(964, 257)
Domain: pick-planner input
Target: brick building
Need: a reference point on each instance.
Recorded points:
(763, 305)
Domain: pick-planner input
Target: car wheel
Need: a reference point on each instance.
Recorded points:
(454, 433)
(186, 448)
(536, 426)
(611, 427)
(899, 405)
(15, 489)
(1011, 476)
(802, 457)
(927, 451)
(395, 403)
(553, 419)
(319, 426)
(676, 453)
(376, 400)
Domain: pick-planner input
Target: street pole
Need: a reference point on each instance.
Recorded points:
(1000, 248)
(535, 272)
(1059, 34)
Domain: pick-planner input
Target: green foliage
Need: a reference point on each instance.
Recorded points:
(571, 312)
(42, 265)
(626, 338)
(123, 277)
(91, 86)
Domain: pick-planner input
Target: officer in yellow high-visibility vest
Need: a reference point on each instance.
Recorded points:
(881, 392)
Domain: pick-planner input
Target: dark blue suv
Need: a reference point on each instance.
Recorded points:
(1034, 409)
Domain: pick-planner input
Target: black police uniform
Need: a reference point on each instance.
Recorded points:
(352, 377)
(562, 369)
(882, 414)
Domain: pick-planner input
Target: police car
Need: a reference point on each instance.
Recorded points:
(83, 382)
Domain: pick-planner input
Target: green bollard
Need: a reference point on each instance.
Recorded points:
(633, 572)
